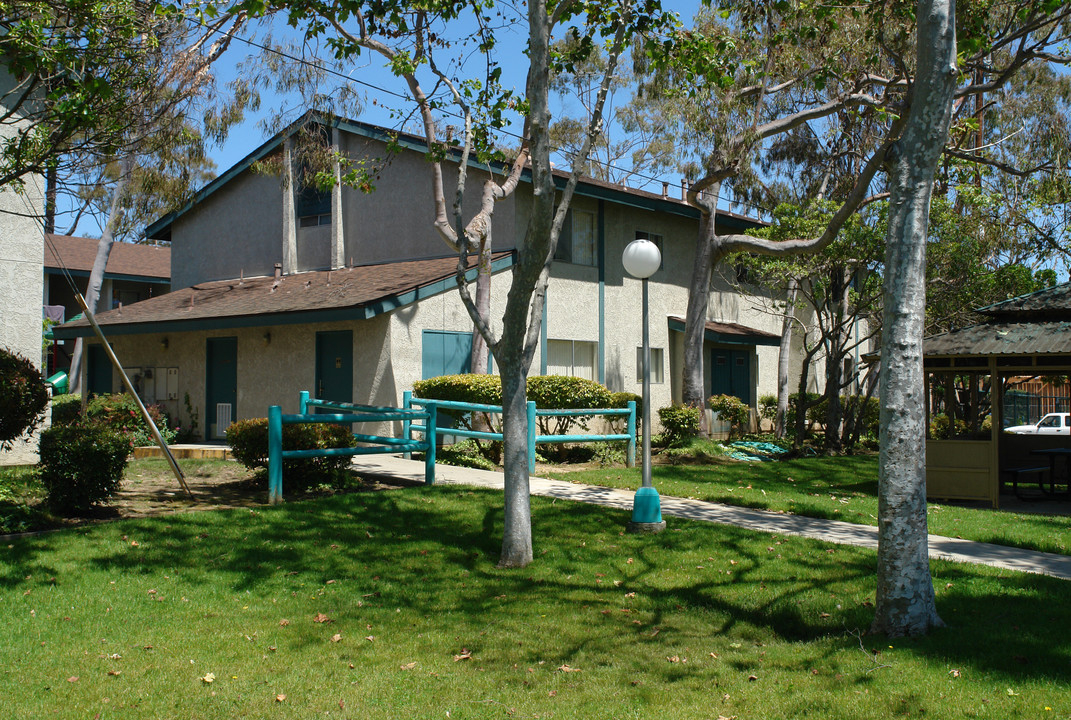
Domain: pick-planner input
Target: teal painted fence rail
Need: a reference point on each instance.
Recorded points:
(534, 413)
(350, 414)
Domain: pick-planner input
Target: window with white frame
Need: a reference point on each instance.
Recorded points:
(658, 357)
(657, 240)
(576, 244)
(576, 358)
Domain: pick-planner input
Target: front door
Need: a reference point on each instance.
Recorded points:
(730, 372)
(98, 371)
(221, 385)
(334, 366)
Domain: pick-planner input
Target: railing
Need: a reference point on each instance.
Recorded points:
(351, 414)
(628, 436)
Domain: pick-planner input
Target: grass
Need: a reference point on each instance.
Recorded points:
(130, 619)
(839, 488)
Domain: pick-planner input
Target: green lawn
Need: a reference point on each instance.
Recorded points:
(839, 488)
(131, 619)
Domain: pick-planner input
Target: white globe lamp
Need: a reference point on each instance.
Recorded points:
(641, 258)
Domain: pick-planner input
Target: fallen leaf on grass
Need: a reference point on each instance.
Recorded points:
(280, 697)
(370, 638)
(336, 637)
(408, 666)
(752, 678)
(115, 673)
(567, 669)
(74, 679)
(321, 618)
(208, 678)
(954, 672)
(284, 622)
(466, 654)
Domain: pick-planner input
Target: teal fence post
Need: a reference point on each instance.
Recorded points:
(430, 439)
(407, 403)
(303, 403)
(531, 436)
(275, 454)
(631, 433)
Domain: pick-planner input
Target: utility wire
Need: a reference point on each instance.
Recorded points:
(319, 65)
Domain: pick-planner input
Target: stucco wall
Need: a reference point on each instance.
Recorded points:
(396, 219)
(237, 229)
(21, 274)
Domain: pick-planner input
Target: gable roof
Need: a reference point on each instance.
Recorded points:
(729, 333)
(354, 293)
(1038, 323)
(586, 187)
(131, 261)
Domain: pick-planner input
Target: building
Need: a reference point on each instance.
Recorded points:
(135, 272)
(351, 295)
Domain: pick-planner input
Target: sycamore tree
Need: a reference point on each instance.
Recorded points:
(412, 40)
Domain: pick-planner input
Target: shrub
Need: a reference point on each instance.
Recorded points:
(249, 443)
(120, 412)
(732, 410)
(66, 409)
(81, 464)
(471, 388)
(23, 397)
(680, 423)
(768, 407)
(464, 454)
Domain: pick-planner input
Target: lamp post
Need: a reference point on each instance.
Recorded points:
(641, 258)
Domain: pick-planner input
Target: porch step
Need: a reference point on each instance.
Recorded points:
(186, 452)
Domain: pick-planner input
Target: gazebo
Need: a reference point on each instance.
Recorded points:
(972, 374)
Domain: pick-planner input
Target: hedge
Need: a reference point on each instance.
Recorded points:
(23, 397)
(248, 440)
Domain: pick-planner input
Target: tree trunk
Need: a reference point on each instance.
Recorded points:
(905, 598)
(478, 359)
(783, 357)
(100, 263)
(517, 518)
(834, 367)
(693, 390)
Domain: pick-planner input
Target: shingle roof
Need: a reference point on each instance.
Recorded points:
(348, 293)
(126, 259)
(1003, 338)
(730, 332)
(1054, 300)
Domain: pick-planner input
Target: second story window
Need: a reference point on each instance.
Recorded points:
(314, 207)
(576, 244)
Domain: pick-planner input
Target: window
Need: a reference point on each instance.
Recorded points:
(576, 358)
(657, 365)
(657, 240)
(576, 244)
(314, 207)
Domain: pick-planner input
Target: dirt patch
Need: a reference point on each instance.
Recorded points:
(150, 488)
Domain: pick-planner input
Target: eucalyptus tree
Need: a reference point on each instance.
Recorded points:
(160, 153)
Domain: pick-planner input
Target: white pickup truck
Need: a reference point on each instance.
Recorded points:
(1051, 424)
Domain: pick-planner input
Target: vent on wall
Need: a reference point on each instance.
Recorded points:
(223, 418)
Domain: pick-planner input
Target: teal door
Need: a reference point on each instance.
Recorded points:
(98, 371)
(334, 366)
(446, 352)
(730, 372)
(221, 385)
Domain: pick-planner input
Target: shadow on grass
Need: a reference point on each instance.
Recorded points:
(432, 551)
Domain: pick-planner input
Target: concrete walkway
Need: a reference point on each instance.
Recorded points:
(954, 549)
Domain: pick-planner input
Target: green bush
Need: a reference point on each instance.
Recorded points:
(66, 409)
(120, 412)
(471, 388)
(23, 397)
(680, 423)
(249, 443)
(768, 407)
(467, 453)
(81, 464)
(732, 410)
